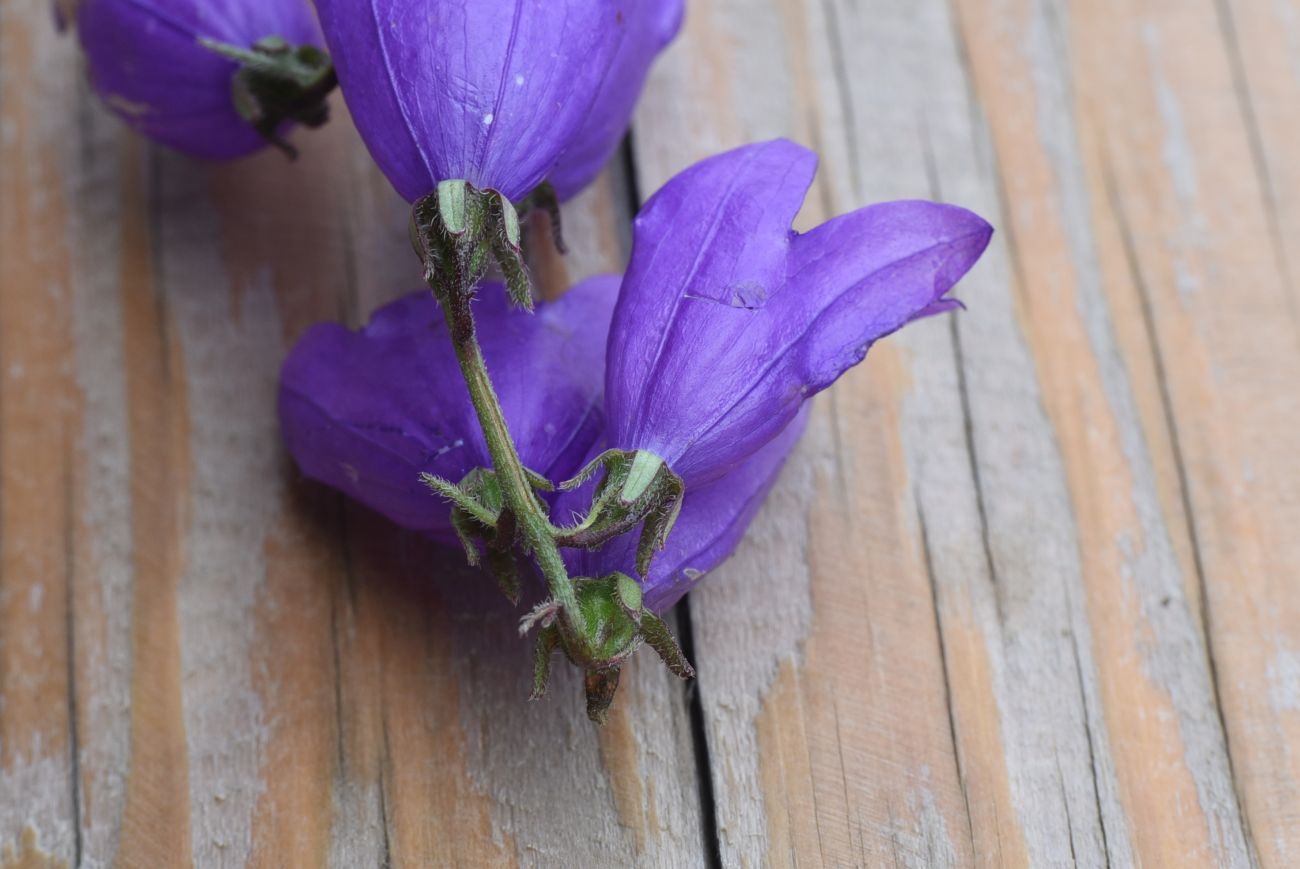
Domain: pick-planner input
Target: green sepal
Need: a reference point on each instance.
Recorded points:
(478, 262)
(548, 640)
(453, 208)
(505, 570)
(640, 475)
(518, 285)
(545, 198)
(639, 488)
(244, 56)
(459, 230)
(612, 633)
(461, 498)
(501, 562)
(654, 533)
(629, 595)
(615, 624)
(483, 485)
(426, 237)
(505, 242)
(466, 528)
(589, 470)
(507, 220)
(277, 83)
(480, 519)
(540, 483)
(657, 636)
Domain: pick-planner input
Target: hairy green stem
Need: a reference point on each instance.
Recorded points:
(516, 489)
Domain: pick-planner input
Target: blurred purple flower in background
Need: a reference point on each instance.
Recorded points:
(728, 320)
(504, 94)
(367, 412)
(147, 63)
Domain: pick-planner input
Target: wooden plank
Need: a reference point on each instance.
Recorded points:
(1037, 457)
(1200, 191)
(1172, 775)
(40, 415)
(203, 657)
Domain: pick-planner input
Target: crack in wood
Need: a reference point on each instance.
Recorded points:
(70, 650)
(844, 91)
(1184, 487)
(700, 740)
(947, 676)
(1092, 750)
(1258, 154)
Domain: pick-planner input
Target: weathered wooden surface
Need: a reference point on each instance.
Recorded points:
(1029, 594)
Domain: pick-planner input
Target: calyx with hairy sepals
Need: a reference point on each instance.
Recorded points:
(480, 519)
(617, 624)
(458, 230)
(279, 83)
(638, 487)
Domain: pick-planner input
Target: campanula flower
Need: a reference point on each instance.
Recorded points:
(728, 320)
(712, 522)
(159, 64)
(368, 412)
(504, 94)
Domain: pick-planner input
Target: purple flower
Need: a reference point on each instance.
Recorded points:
(367, 412)
(728, 320)
(504, 94)
(711, 525)
(147, 63)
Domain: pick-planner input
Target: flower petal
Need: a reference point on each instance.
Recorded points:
(490, 91)
(652, 25)
(728, 321)
(709, 249)
(367, 412)
(867, 274)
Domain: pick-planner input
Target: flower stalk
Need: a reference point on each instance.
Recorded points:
(597, 622)
(517, 488)
(454, 230)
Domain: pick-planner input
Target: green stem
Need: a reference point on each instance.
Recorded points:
(516, 489)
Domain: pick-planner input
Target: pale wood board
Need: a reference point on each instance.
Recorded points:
(1026, 595)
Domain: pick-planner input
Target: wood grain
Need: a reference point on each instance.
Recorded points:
(1046, 479)
(1210, 254)
(1024, 597)
(204, 658)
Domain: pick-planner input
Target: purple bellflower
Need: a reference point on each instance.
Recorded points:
(216, 79)
(368, 412)
(503, 94)
(728, 320)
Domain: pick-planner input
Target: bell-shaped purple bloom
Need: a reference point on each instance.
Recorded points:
(728, 320)
(147, 64)
(504, 94)
(711, 525)
(367, 412)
